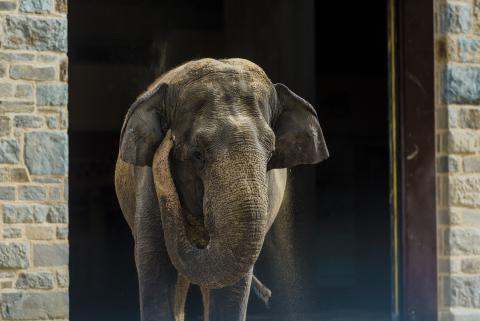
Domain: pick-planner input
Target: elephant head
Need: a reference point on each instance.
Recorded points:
(211, 130)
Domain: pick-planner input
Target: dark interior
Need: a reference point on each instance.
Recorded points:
(328, 255)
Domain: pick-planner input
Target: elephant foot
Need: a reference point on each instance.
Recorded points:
(181, 291)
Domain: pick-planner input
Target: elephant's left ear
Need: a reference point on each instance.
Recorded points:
(144, 127)
(298, 136)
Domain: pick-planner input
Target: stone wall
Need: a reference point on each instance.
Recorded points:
(33, 160)
(458, 167)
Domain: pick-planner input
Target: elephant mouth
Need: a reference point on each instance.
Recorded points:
(195, 229)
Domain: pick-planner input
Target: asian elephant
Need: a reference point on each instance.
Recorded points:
(200, 177)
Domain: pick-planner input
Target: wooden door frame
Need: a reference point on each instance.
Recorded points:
(413, 152)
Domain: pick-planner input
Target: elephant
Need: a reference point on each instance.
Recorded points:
(200, 177)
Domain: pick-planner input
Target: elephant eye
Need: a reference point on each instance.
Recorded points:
(198, 159)
(197, 155)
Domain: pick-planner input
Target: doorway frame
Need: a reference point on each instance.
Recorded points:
(413, 157)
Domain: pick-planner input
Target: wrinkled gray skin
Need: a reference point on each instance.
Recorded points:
(200, 178)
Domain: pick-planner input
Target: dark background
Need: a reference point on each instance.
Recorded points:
(327, 256)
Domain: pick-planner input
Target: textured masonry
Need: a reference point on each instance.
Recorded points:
(458, 161)
(33, 160)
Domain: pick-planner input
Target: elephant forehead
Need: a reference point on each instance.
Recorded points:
(221, 83)
(207, 128)
(225, 95)
(230, 129)
(196, 69)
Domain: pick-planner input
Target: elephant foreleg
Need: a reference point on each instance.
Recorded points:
(229, 303)
(157, 281)
(157, 277)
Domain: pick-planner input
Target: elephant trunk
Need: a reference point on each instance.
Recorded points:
(235, 216)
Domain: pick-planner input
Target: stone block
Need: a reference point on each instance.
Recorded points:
(19, 175)
(12, 233)
(58, 214)
(31, 72)
(463, 314)
(35, 33)
(63, 119)
(16, 106)
(451, 216)
(28, 121)
(462, 141)
(64, 70)
(471, 266)
(40, 213)
(55, 194)
(7, 275)
(13, 255)
(4, 175)
(448, 265)
(448, 164)
(52, 94)
(457, 18)
(46, 58)
(464, 190)
(9, 151)
(35, 193)
(7, 193)
(459, 117)
(18, 213)
(471, 217)
(6, 89)
(3, 69)
(34, 306)
(471, 164)
(52, 122)
(62, 233)
(36, 6)
(61, 6)
(23, 213)
(50, 254)
(8, 5)
(462, 241)
(39, 232)
(468, 50)
(463, 291)
(63, 279)
(35, 280)
(16, 56)
(462, 85)
(24, 91)
(46, 153)
(5, 126)
(47, 180)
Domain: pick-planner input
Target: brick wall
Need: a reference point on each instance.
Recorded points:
(33, 160)
(458, 167)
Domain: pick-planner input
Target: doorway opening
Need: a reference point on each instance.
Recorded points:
(328, 255)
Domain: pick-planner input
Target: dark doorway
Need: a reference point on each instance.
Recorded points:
(328, 255)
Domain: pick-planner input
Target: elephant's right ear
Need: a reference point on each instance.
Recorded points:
(144, 127)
